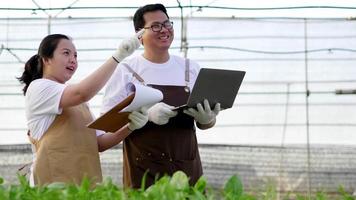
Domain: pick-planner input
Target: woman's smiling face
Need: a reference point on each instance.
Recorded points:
(63, 64)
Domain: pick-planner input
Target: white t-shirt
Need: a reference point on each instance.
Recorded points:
(42, 106)
(170, 73)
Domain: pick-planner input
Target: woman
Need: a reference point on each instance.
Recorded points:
(65, 150)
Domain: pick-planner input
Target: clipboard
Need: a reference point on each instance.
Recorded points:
(117, 116)
(215, 85)
(113, 120)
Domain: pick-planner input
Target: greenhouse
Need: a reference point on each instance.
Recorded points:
(293, 122)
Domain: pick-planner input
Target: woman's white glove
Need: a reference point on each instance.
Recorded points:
(138, 119)
(204, 115)
(127, 47)
(160, 113)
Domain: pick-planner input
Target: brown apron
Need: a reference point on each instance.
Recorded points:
(68, 151)
(163, 149)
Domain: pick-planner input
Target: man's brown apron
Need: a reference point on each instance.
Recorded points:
(68, 151)
(163, 149)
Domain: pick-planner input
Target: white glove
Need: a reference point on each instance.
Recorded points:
(127, 47)
(138, 119)
(160, 113)
(204, 115)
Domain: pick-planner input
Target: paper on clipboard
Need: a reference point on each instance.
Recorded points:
(144, 96)
(117, 116)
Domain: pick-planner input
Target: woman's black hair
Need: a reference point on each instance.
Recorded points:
(34, 66)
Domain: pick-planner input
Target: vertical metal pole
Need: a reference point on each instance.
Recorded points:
(49, 24)
(183, 35)
(184, 39)
(7, 31)
(2, 48)
(284, 131)
(307, 103)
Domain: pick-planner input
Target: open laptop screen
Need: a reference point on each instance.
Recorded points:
(217, 86)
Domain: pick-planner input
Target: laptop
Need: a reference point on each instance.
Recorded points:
(215, 85)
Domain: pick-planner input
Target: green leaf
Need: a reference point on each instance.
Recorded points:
(200, 185)
(57, 185)
(233, 188)
(143, 182)
(23, 181)
(196, 195)
(179, 180)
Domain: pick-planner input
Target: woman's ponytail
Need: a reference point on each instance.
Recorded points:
(33, 70)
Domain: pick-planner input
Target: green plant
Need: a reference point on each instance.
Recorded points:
(344, 194)
(233, 190)
(166, 188)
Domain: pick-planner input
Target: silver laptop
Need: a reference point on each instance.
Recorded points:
(217, 86)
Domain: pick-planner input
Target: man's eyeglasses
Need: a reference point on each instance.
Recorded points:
(157, 27)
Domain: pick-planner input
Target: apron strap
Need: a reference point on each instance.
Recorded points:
(33, 141)
(138, 77)
(187, 72)
(25, 169)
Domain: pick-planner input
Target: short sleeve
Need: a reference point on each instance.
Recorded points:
(43, 97)
(42, 105)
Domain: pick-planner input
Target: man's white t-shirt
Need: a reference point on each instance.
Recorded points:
(42, 106)
(171, 73)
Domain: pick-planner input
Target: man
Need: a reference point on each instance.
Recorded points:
(167, 143)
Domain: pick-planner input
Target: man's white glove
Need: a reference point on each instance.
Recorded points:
(204, 115)
(138, 119)
(160, 113)
(127, 47)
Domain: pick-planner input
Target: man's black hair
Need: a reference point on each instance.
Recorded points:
(138, 20)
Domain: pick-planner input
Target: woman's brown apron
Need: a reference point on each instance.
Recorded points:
(68, 151)
(163, 149)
